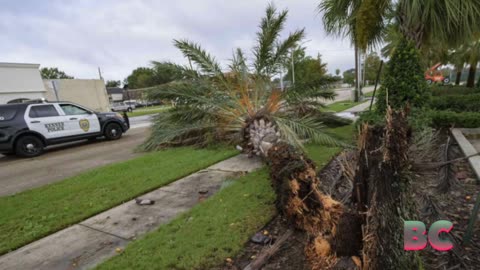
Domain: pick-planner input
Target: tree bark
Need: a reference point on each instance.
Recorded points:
(471, 75)
(383, 184)
(459, 75)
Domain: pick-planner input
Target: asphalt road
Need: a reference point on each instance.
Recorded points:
(60, 162)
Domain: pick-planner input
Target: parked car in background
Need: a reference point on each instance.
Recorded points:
(123, 107)
(27, 128)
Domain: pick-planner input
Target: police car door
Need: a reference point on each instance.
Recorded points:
(46, 120)
(79, 120)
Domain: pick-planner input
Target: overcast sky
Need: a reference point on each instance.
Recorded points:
(119, 35)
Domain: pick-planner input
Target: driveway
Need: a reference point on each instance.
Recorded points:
(60, 162)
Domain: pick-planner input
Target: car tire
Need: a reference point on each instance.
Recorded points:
(29, 146)
(446, 81)
(429, 82)
(113, 131)
(129, 109)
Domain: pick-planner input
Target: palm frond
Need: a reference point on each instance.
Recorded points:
(270, 28)
(204, 60)
(306, 128)
(284, 47)
(449, 21)
(338, 17)
(186, 71)
(238, 63)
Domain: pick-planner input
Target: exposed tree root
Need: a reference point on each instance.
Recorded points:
(384, 189)
(333, 229)
(338, 235)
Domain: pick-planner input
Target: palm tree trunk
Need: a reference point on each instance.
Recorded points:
(459, 75)
(471, 75)
(357, 83)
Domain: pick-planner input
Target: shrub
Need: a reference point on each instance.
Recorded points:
(370, 117)
(453, 90)
(404, 81)
(453, 119)
(457, 103)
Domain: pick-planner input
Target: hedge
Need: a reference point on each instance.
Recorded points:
(453, 90)
(457, 103)
(454, 119)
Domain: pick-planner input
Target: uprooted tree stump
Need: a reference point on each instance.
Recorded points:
(382, 188)
(333, 229)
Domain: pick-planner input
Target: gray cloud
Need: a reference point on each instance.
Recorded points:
(118, 36)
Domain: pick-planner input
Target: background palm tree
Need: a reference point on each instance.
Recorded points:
(340, 19)
(240, 105)
(425, 22)
(472, 51)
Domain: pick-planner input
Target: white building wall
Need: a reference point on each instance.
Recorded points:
(89, 93)
(20, 81)
(116, 97)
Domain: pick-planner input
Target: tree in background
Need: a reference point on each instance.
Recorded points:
(159, 73)
(140, 78)
(309, 72)
(53, 73)
(473, 52)
(113, 83)
(349, 76)
(404, 83)
(372, 65)
(340, 19)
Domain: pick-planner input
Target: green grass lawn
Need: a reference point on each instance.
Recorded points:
(148, 110)
(217, 228)
(342, 105)
(33, 214)
(370, 94)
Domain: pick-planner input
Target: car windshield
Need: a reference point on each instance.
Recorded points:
(71, 109)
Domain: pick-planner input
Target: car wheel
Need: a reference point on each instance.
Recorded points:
(113, 131)
(429, 82)
(129, 109)
(446, 81)
(29, 146)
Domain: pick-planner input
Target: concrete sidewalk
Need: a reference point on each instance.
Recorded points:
(360, 107)
(88, 243)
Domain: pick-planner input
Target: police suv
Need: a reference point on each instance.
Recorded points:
(27, 128)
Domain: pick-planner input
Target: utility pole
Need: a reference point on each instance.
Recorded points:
(356, 91)
(100, 73)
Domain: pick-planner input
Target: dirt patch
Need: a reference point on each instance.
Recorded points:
(454, 204)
